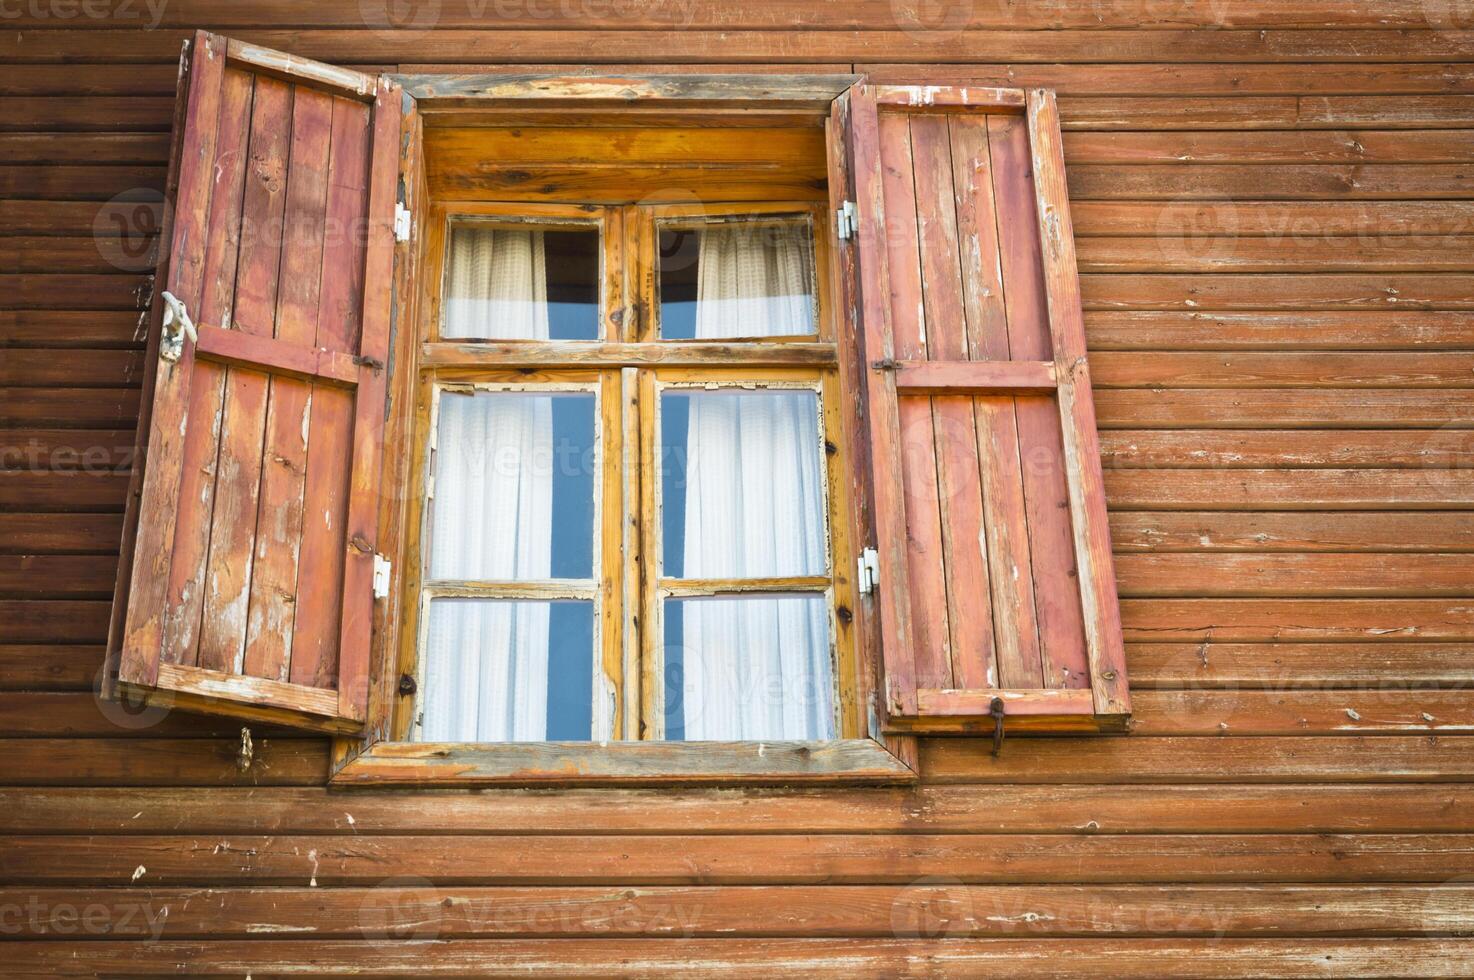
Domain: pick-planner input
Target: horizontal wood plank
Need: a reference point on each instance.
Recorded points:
(1294, 408)
(1002, 808)
(276, 356)
(1288, 531)
(1295, 575)
(1087, 78)
(716, 859)
(1285, 489)
(1298, 619)
(1298, 330)
(962, 377)
(667, 15)
(1132, 760)
(575, 763)
(1301, 666)
(1158, 959)
(106, 44)
(1446, 448)
(425, 911)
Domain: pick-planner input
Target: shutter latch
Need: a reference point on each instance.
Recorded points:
(177, 326)
(402, 222)
(995, 709)
(845, 221)
(869, 571)
(382, 569)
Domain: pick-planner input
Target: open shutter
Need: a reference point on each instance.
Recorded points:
(252, 573)
(995, 584)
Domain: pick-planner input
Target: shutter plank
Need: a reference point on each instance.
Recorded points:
(924, 557)
(368, 427)
(1092, 536)
(1061, 661)
(959, 477)
(340, 302)
(207, 392)
(1015, 623)
(154, 544)
(882, 411)
(1024, 323)
(227, 582)
(273, 592)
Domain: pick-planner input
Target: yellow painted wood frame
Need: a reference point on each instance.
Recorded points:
(624, 364)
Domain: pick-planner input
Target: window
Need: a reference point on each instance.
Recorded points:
(715, 480)
(667, 429)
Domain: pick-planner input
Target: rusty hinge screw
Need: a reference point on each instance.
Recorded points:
(995, 709)
(247, 751)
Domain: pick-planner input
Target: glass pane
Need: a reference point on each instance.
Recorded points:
(514, 486)
(508, 671)
(740, 279)
(749, 668)
(521, 284)
(741, 484)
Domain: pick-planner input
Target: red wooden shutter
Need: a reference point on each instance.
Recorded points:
(251, 586)
(995, 575)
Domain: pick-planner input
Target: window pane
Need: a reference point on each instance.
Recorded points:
(749, 668)
(739, 279)
(741, 484)
(521, 284)
(508, 671)
(514, 486)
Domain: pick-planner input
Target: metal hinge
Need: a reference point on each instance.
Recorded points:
(845, 220)
(402, 222)
(382, 568)
(869, 571)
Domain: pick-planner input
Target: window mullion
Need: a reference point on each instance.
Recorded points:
(652, 716)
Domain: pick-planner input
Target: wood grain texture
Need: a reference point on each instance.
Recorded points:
(1282, 197)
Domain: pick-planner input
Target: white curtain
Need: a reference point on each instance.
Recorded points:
(754, 668)
(497, 284)
(754, 281)
(486, 661)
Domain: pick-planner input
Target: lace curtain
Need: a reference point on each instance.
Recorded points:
(486, 661)
(755, 668)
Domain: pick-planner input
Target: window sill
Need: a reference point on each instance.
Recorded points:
(848, 761)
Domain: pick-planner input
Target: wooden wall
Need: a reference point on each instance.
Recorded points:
(1273, 199)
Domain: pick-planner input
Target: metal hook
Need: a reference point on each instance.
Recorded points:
(995, 709)
(177, 326)
(247, 751)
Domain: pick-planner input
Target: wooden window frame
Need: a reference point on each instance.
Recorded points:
(868, 755)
